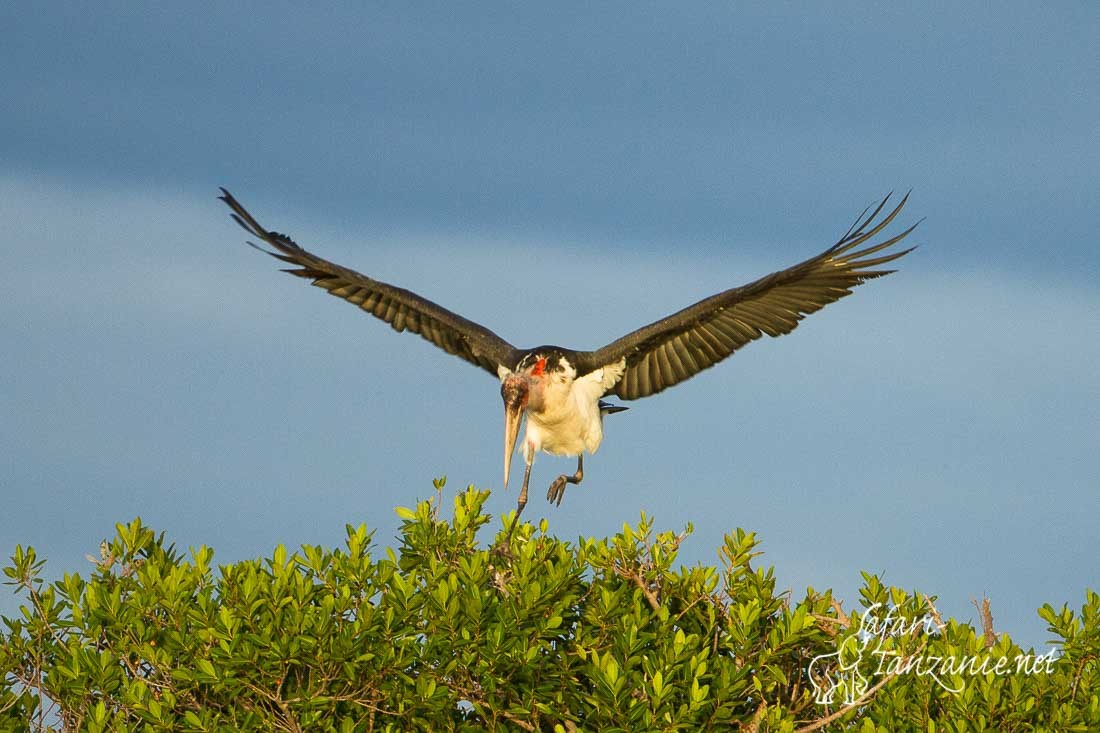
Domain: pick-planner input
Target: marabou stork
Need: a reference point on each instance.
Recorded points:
(560, 390)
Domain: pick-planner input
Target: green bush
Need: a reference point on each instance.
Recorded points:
(444, 634)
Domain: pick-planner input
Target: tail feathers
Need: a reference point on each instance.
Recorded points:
(606, 408)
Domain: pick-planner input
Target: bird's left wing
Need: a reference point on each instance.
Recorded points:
(402, 309)
(680, 346)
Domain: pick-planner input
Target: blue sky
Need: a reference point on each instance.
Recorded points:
(563, 175)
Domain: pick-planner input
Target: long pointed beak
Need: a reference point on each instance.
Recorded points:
(513, 415)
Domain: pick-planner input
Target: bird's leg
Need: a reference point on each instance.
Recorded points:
(520, 503)
(557, 489)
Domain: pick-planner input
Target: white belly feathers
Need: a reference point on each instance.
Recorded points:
(570, 422)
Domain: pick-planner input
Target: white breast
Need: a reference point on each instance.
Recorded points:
(570, 422)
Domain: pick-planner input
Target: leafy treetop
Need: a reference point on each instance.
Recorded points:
(601, 635)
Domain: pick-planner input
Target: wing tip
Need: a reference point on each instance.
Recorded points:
(246, 221)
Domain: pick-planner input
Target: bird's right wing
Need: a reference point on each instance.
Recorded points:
(680, 346)
(402, 309)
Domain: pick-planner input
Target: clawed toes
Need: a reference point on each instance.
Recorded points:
(556, 492)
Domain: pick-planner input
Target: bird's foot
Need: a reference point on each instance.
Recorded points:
(556, 492)
(503, 550)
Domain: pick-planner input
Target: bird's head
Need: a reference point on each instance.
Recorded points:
(520, 390)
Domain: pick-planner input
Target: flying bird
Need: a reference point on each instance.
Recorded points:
(560, 390)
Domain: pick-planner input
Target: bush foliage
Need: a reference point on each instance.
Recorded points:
(599, 635)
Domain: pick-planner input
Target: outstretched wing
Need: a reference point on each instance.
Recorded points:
(402, 309)
(680, 346)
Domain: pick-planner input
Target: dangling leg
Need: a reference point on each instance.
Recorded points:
(557, 489)
(520, 503)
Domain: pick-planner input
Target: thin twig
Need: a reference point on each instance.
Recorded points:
(518, 721)
(649, 596)
(985, 615)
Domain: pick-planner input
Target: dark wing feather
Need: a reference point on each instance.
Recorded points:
(680, 346)
(402, 309)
